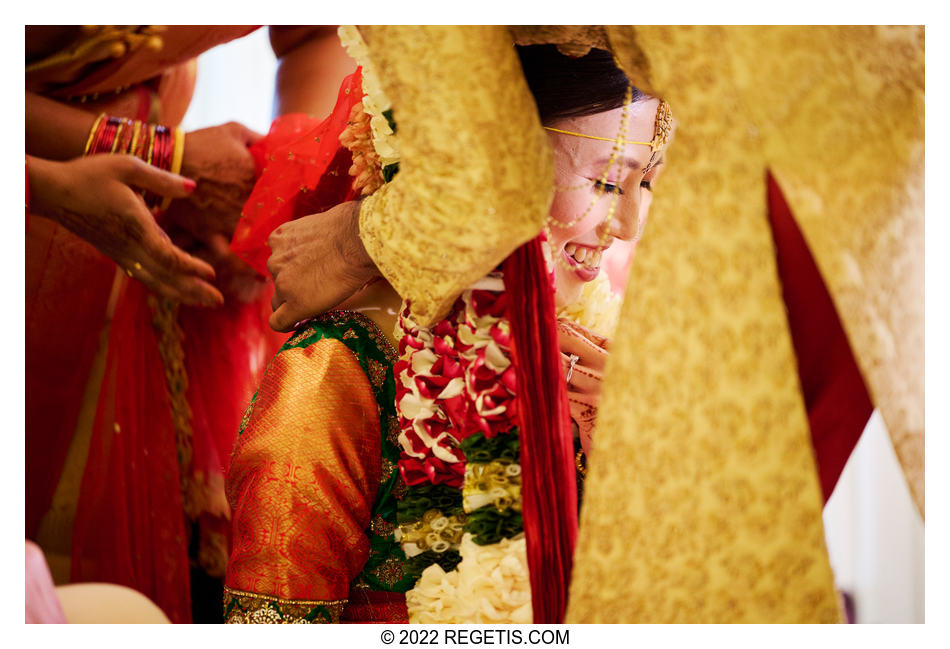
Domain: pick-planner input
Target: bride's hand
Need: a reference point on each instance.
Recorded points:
(584, 356)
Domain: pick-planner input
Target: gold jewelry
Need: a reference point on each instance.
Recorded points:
(597, 137)
(580, 462)
(92, 132)
(136, 131)
(177, 155)
(662, 130)
(617, 149)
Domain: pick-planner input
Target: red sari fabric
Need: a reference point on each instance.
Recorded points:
(835, 395)
(303, 170)
(129, 526)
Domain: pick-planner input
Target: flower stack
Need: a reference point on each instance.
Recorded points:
(460, 521)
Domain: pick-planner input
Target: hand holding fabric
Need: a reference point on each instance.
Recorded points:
(317, 262)
(217, 158)
(96, 199)
(584, 354)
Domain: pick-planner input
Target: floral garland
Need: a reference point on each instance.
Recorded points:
(375, 102)
(460, 520)
(597, 308)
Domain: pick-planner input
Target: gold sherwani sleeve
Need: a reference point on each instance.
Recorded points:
(475, 172)
(702, 502)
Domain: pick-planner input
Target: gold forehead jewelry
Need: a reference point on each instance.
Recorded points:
(663, 128)
(597, 137)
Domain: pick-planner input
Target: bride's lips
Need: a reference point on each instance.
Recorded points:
(583, 273)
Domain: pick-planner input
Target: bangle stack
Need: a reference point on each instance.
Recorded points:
(159, 146)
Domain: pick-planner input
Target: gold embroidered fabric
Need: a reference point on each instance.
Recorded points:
(572, 40)
(826, 105)
(859, 102)
(476, 173)
(303, 477)
(702, 418)
(241, 607)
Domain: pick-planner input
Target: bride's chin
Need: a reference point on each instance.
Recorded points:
(567, 288)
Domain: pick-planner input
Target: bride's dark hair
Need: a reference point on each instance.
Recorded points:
(565, 86)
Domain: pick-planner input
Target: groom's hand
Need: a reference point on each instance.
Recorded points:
(317, 262)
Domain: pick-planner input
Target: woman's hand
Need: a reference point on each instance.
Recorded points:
(218, 160)
(317, 262)
(96, 199)
(584, 355)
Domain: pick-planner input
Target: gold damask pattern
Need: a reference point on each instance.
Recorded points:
(302, 478)
(825, 105)
(702, 426)
(858, 100)
(475, 162)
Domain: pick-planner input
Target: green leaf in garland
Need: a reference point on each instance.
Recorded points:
(421, 498)
(447, 560)
(478, 448)
(390, 170)
(488, 525)
(388, 114)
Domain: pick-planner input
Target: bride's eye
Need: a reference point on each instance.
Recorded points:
(647, 185)
(607, 187)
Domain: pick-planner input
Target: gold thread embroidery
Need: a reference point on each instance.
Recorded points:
(389, 572)
(254, 608)
(377, 373)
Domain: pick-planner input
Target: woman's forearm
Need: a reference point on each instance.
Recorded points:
(311, 65)
(54, 130)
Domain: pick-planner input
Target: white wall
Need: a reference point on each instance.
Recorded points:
(874, 533)
(235, 83)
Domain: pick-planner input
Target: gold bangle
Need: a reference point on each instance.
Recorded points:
(136, 130)
(151, 142)
(92, 133)
(118, 135)
(177, 155)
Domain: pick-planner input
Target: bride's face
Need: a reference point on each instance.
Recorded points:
(577, 241)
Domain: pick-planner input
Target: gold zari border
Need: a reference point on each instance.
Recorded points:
(243, 607)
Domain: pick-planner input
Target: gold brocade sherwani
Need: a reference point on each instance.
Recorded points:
(313, 483)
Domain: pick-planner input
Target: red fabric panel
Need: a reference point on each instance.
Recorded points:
(67, 287)
(129, 528)
(835, 395)
(548, 491)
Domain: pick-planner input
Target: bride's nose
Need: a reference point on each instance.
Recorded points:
(624, 223)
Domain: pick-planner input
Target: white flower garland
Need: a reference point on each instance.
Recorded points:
(489, 586)
(375, 101)
(597, 308)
